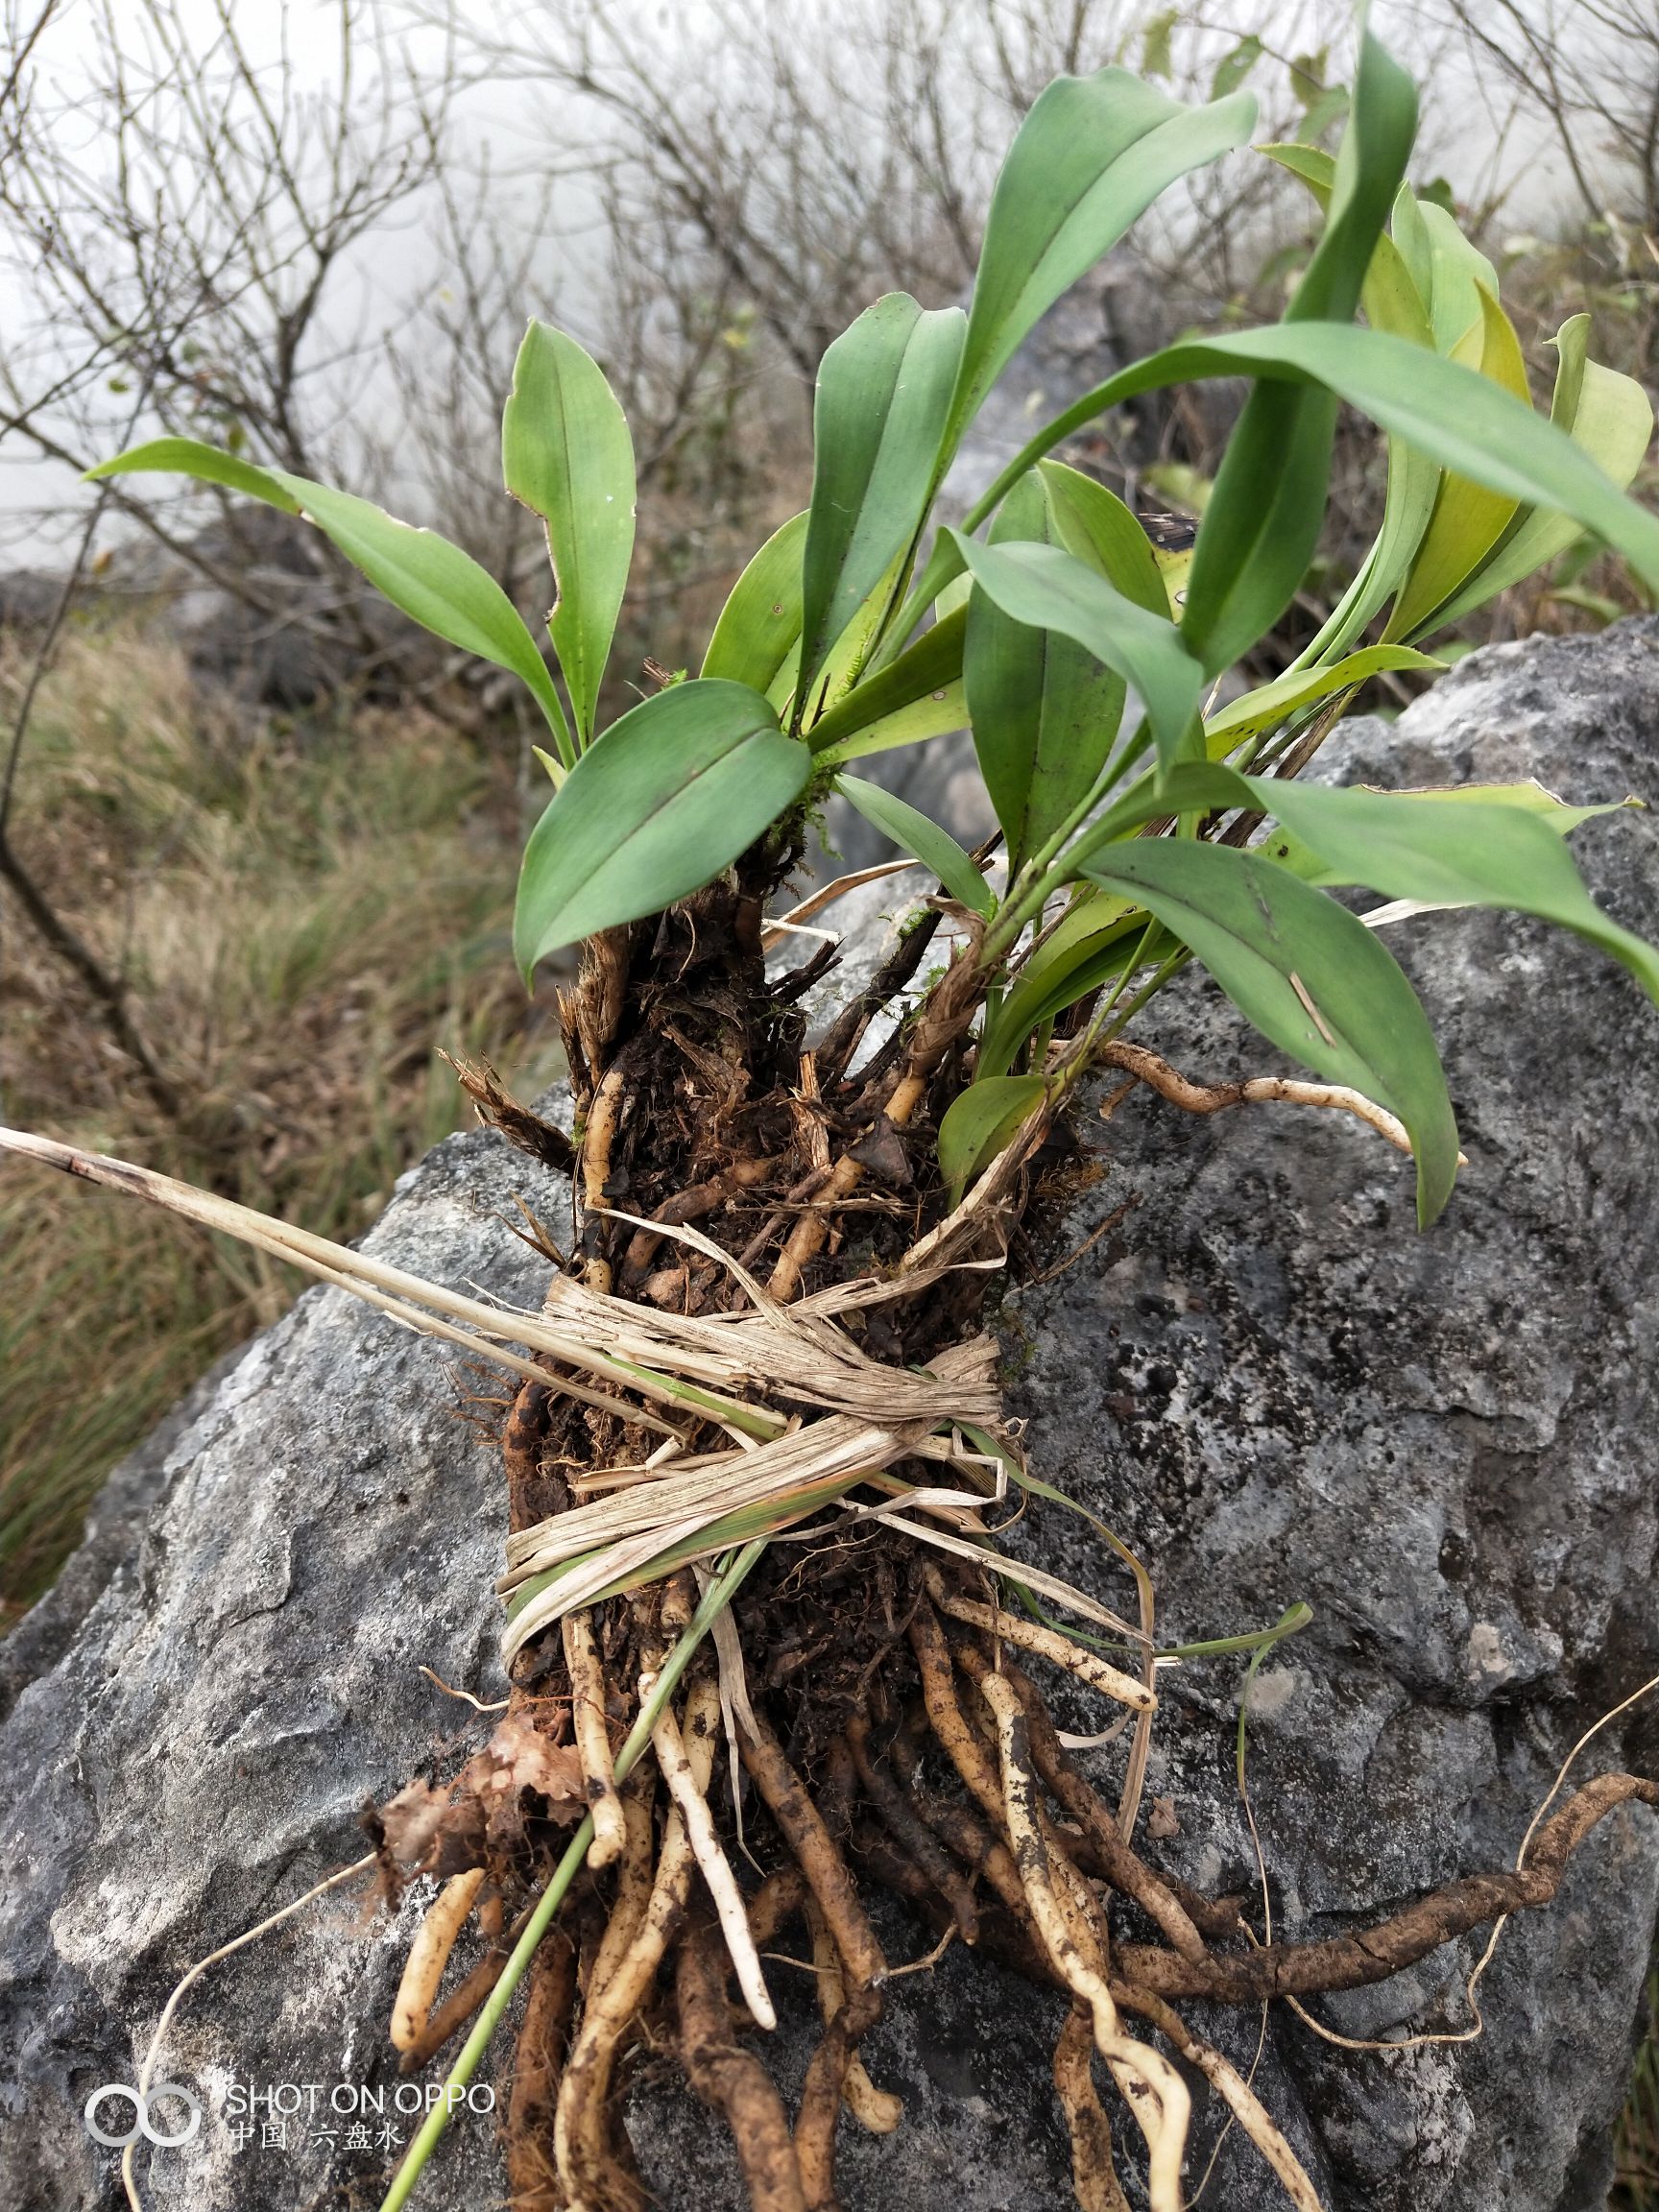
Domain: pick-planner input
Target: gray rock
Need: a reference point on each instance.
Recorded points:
(1276, 1390)
(1262, 1376)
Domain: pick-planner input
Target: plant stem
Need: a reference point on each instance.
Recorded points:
(715, 1599)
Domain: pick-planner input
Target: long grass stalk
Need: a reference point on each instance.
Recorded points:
(373, 1281)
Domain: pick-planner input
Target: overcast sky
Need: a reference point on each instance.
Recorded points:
(388, 270)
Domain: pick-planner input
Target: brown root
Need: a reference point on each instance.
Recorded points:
(822, 2093)
(1121, 1867)
(733, 2081)
(537, 2062)
(876, 2110)
(909, 1832)
(429, 1955)
(1028, 1636)
(1246, 2106)
(968, 1755)
(1094, 2176)
(1155, 2092)
(722, 1884)
(592, 1739)
(820, 1859)
(632, 1891)
(1354, 1962)
(1259, 1091)
(582, 2130)
(448, 2018)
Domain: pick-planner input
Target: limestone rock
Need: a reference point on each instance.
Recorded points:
(1260, 1374)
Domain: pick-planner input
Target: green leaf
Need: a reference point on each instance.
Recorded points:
(761, 621)
(1234, 67)
(1262, 525)
(1042, 709)
(1086, 947)
(1457, 417)
(1094, 524)
(189, 457)
(1531, 798)
(1270, 704)
(566, 454)
(669, 795)
(1454, 274)
(1048, 589)
(1308, 975)
(1392, 302)
(1610, 418)
(918, 695)
(879, 419)
(1307, 74)
(1330, 107)
(934, 714)
(1468, 520)
(1410, 845)
(1092, 156)
(915, 832)
(434, 583)
(979, 1122)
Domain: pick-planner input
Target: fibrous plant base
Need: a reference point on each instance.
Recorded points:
(878, 1703)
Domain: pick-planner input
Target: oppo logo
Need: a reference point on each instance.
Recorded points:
(142, 2123)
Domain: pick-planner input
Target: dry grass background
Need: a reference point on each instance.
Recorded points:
(305, 911)
(1636, 2138)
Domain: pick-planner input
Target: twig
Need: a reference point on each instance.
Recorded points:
(108, 991)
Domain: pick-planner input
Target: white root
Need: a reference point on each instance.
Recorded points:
(592, 1741)
(188, 1981)
(1259, 1091)
(634, 1875)
(1046, 1643)
(429, 1955)
(578, 2147)
(1246, 2106)
(717, 1874)
(1154, 2090)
